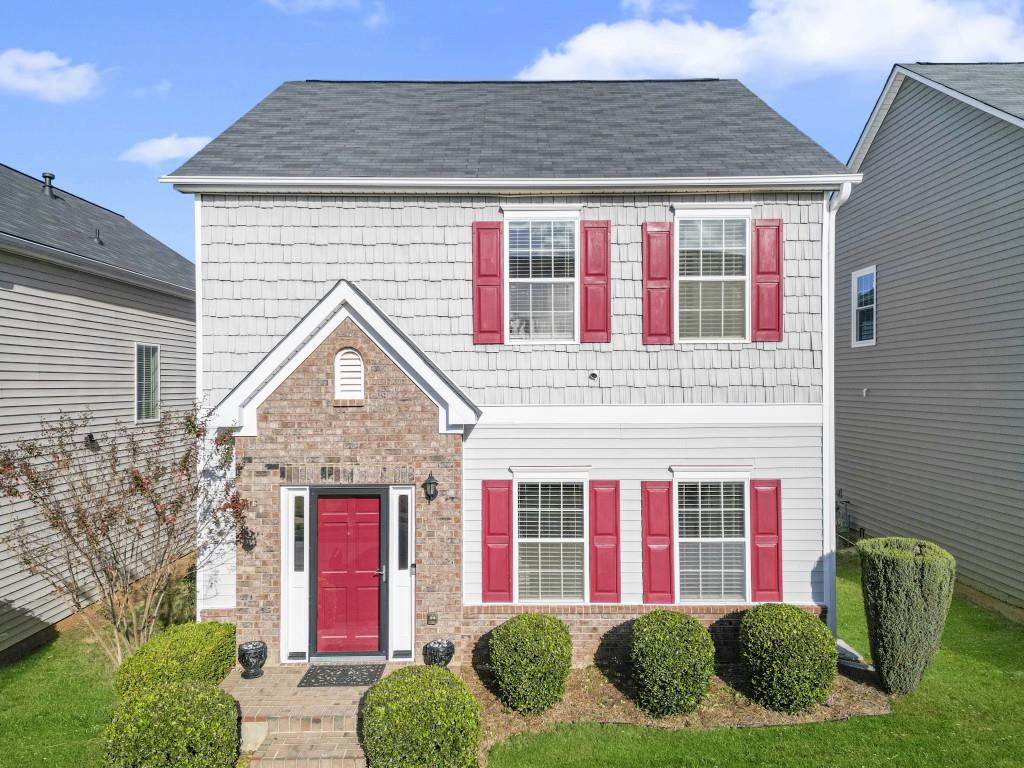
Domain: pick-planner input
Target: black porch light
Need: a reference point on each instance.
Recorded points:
(430, 487)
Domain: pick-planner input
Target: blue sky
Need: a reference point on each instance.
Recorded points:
(110, 95)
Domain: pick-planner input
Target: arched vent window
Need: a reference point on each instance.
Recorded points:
(348, 375)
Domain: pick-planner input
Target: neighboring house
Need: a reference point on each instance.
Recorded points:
(95, 315)
(596, 314)
(930, 331)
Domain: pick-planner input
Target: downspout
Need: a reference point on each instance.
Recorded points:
(832, 203)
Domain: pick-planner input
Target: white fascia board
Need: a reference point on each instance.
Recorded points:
(238, 409)
(809, 414)
(278, 184)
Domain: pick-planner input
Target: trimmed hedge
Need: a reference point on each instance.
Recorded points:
(421, 716)
(790, 657)
(201, 652)
(673, 659)
(531, 655)
(182, 724)
(907, 586)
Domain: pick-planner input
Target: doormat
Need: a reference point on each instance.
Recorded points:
(329, 675)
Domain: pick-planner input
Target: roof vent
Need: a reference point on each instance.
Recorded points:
(96, 238)
(48, 183)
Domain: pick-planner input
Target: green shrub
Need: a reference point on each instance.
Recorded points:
(201, 652)
(181, 724)
(790, 657)
(907, 585)
(421, 716)
(673, 658)
(531, 655)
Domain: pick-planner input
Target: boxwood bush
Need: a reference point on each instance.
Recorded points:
(673, 658)
(421, 716)
(790, 657)
(181, 724)
(201, 652)
(908, 586)
(531, 655)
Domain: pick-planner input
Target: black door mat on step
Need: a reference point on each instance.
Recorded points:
(329, 675)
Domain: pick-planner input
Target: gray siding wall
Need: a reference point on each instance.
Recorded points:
(266, 260)
(936, 448)
(67, 342)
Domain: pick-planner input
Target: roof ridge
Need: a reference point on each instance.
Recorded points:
(960, 63)
(65, 191)
(516, 82)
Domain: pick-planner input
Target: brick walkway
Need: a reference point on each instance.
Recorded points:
(291, 727)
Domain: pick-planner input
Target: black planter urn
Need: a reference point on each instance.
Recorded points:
(438, 653)
(252, 656)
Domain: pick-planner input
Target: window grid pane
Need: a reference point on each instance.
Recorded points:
(147, 382)
(712, 540)
(710, 308)
(299, 528)
(550, 528)
(544, 254)
(864, 324)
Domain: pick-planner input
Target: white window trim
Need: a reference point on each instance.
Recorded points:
(540, 213)
(293, 604)
(854, 343)
(135, 383)
(710, 474)
(552, 475)
(693, 212)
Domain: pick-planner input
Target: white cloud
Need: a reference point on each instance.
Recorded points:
(156, 151)
(46, 76)
(304, 6)
(787, 40)
(639, 7)
(378, 15)
(157, 89)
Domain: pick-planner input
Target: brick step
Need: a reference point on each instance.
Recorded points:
(300, 723)
(309, 750)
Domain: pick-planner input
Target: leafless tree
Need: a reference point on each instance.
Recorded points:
(120, 513)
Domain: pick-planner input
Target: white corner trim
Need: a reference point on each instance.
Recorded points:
(446, 184)
(751, 414)
(198, 207)
(828, 432)
(344, 301)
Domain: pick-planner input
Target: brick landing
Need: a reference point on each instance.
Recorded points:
(291, 727)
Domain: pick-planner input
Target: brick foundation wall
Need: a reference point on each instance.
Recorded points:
(391, 438)
(601, 630)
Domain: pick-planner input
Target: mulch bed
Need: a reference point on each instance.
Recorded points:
(603, 695)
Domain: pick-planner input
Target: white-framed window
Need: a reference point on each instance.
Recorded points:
(712, 537)
(712, 275)
(147, 382)
(863, 308)
(550, 539)
(349, 376)
(542, 276)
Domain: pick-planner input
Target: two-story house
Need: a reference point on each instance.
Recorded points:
(494, 347)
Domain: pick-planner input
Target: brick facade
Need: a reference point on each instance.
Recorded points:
(306, 438)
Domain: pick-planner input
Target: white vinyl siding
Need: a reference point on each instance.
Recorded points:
(712, 540)
(713, 257)
(542, 280)
(550, 539)
(147, 382)
(863, 303)
(349, 376)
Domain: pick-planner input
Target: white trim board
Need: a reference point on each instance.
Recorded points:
(723, 414)
(344, 301)
(885, 100)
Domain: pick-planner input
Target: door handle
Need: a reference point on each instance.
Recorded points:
(382, 572)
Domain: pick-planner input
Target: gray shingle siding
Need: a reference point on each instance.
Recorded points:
(936, 449)
(629, 129)
(267, 259)
(67, 342)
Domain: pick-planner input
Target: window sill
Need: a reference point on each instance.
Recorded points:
(349, 403)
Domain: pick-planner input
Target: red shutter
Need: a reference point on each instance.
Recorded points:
(766, 285)
(595, 281)
(766, 540)
(497, 535)
(657, 253)
(488, 288)
(604, 541)
(656, 533)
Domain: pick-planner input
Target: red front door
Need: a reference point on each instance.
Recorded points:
(347, 582)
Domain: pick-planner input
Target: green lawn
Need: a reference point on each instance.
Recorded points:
(969, 711)
(54, 705)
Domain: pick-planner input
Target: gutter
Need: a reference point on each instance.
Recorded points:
(75, 261)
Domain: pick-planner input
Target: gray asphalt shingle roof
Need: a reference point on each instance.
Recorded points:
(998, 85)
(69, 223)
(544, 130)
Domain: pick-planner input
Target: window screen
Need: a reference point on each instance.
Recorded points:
(864, 306)
(147, 382)
(712, 278)
(550, 530)
(403, 532)
(542, 280)
(299, 529)
(712, 540)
